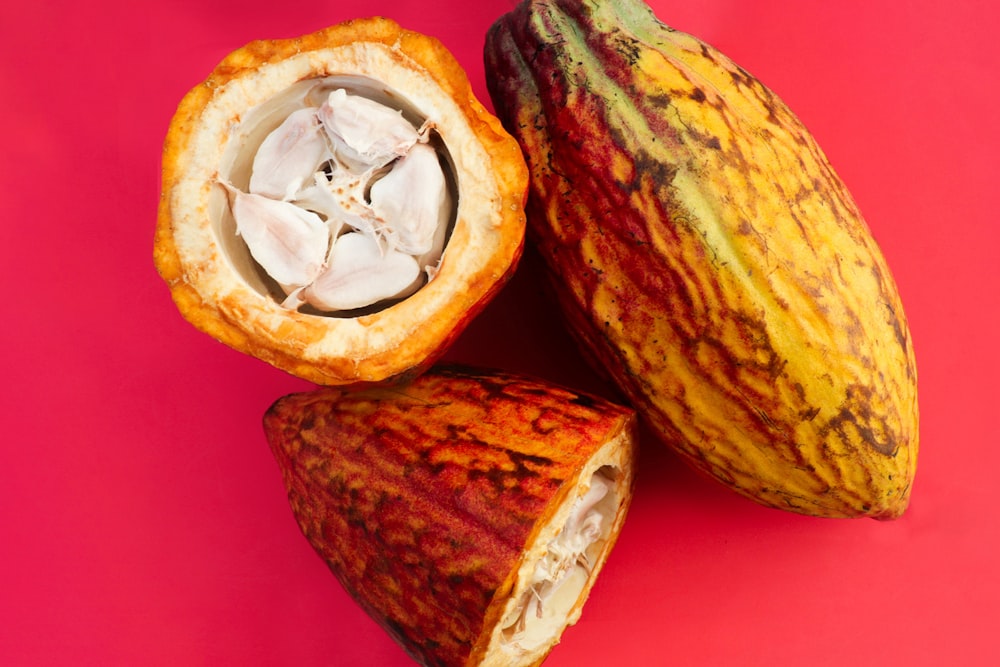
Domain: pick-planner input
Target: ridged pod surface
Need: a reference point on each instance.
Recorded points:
(709, 258)
(434, 502)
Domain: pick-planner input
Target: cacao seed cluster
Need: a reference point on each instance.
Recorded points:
(702, 249)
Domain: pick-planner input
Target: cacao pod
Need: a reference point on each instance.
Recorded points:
(709, 258)
(468, 512)
(289, 227)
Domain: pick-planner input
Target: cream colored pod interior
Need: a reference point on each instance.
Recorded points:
(338, 205)
(562, 563)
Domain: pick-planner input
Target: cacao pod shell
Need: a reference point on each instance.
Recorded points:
(434, 502)
(214, 281)
(709, 258)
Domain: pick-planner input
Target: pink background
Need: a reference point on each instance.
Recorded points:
(142, 518)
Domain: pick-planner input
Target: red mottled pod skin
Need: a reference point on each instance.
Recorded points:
(433, 502)
(709, 258)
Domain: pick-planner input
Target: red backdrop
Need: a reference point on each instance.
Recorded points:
(142, 517)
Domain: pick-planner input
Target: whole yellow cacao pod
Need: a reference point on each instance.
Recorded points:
(709, 258)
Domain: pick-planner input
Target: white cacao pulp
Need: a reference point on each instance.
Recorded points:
(347, 204)
(563, 567)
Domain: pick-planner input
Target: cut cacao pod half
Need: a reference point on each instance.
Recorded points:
(468, 512)
(709, 259)
(338, 205)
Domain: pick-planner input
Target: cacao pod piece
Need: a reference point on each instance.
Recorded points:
(339, 205)
(709, 258)
(468, 512)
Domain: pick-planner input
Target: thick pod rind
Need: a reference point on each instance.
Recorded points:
(210, 273)
(434, 504)
(709, 258)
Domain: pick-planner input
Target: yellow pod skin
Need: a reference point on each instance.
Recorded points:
(709, 258)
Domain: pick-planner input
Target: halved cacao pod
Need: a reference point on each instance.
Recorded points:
(709, 258)
(246, 247)
(469, 512)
